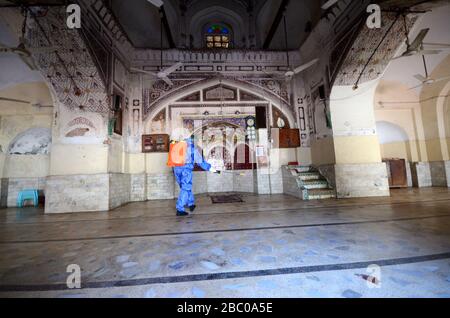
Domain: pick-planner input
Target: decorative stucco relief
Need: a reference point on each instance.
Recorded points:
(277, 87)
(80, 126)
(366, 43)
(160, 90)
(34, 141)
(69, 67)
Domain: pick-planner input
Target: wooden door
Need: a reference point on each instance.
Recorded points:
(285, 138)
(397, 173)
(247, 163)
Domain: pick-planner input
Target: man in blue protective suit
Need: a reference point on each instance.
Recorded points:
(183, 176)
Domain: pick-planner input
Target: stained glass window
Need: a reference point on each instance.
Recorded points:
(217, 36)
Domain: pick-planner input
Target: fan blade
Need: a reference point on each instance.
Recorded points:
(277, 75)
(429, 52)
(398, 57)
(443, 45)
(167, 80)
(28, 61)
(5, 49)
(143, 72)
(415, 87)
(415, 45)
(328, 4)
(171, 69)
(14, 100)
(422, 52)
(40, 105)
(441, 79)
(305, 66)
(156, 3)
(40, 50)
(420, 78)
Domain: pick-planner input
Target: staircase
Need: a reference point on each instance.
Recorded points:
(311, 185)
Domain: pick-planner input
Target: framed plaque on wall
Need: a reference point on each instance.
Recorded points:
(285, 138)
(155, 143)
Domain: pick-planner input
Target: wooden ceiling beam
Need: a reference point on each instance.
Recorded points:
(167, 27)
(275, 24)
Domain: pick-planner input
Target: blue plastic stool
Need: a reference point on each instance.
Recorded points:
(27, 195)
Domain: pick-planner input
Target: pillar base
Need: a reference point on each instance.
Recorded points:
(77, 193)
(3, 192)
(87, 193)
(431, 174)
(447, 172)
(440, 173)
(361, 180)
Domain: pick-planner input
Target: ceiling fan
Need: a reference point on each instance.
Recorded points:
(21, 101)
(289, 74)
(417, 47)
(292, 71)
(14, 100)
(427, 80)
(25, 53)
(163, 74)
(22, 51)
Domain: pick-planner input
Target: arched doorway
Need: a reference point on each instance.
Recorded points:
(211, 97)
(225, 146)
(220, 111)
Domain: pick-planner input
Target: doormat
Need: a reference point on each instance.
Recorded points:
(233, 198)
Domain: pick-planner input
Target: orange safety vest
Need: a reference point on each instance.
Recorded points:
(177, 154)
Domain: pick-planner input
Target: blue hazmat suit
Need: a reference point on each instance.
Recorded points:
(183, 175)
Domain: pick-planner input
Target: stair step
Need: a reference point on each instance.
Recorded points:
(314, 184)
(319, 194)
(309, 176)
(301, 169)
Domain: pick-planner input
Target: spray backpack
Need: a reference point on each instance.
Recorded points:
(177, 154)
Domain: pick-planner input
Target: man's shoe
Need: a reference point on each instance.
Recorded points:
(182, 213)
(192, 208)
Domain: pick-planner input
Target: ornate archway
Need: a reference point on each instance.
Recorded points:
(194, 94)
(225, 146)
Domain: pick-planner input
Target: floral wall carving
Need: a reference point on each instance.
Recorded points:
(69, 67)
(365, 44)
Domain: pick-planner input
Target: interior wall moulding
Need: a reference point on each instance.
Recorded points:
(219, 93)
(161, 93)
(216, 117)
(172, 96)
(206, 57)
(195, 69)
(194, 97)
(203, 105)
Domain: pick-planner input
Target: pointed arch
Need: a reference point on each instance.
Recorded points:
(189, 89)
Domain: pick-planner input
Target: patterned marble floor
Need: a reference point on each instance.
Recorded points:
(267, 246)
